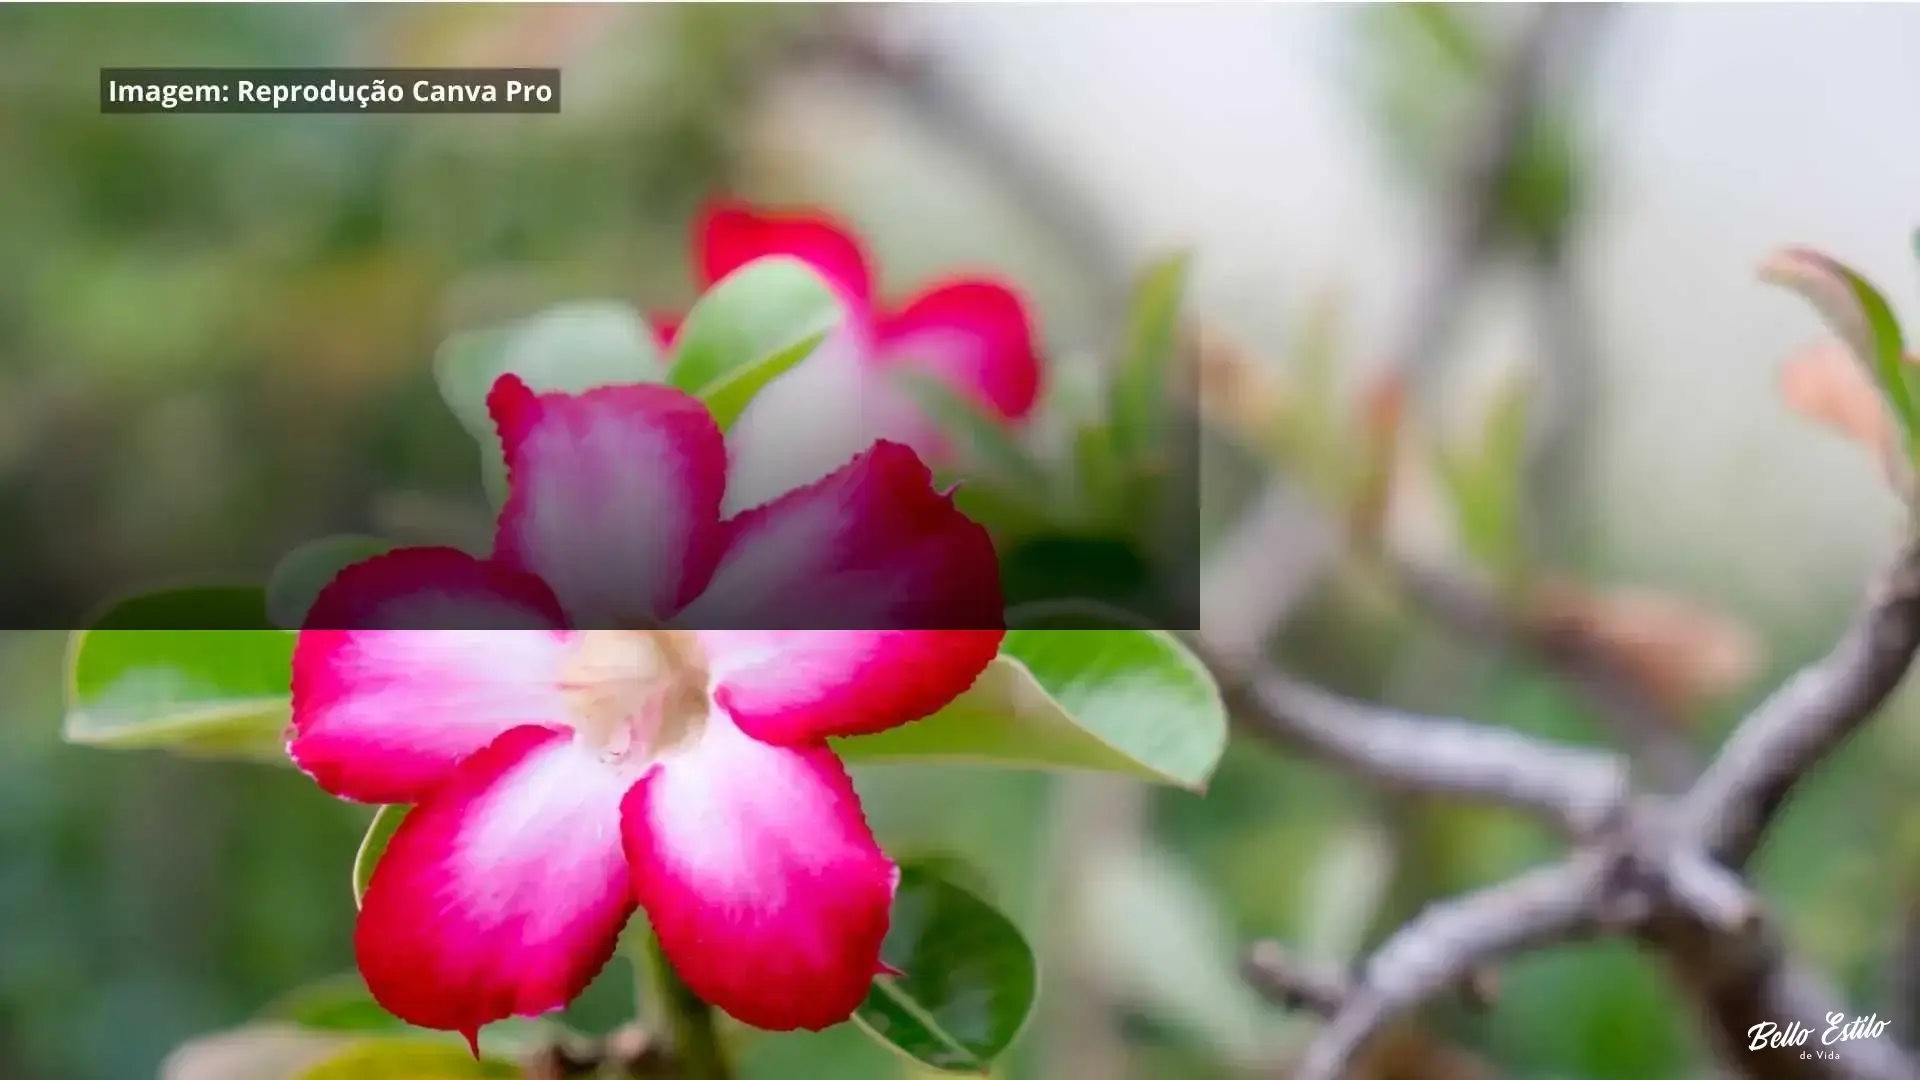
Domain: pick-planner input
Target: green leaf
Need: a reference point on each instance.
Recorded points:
(181, 669)
(1504, 465)
(1003, 510)
(1129, 701)
(728, 398)
(386, 821)
(1184, 973)
(342, 1004)
(1142, 381)
(748, 329)
(1100, 481)
(301, 574)
(1485, 485)
(951, 867)
(968, 979)
(983, 442)
(337, 1003)
(410, 1058)
(569, 348)
(1865, 323)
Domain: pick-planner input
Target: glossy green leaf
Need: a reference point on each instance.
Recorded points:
(570, 348)
(1857, 312)
(1118, 700)
(968, 979)
(199, 671)
(410, 1058)
(386, 821)
(1142, 383)
(301, 574)
(951, 867)
(750, 328)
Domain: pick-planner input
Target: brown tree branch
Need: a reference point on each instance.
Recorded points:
(1738, 983)
(1575, 789)
(865, 45)
(1652, 871)
(1810, 716)
(1405, 1051)
(1446, 944)
(1679, 899)
(1487, 158)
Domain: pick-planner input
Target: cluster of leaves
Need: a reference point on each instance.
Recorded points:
(1865, 386)
(204, 670)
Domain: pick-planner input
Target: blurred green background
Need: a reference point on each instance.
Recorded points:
(214, 342)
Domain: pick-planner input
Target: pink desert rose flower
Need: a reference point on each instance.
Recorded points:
(625, 707)
(970, 333)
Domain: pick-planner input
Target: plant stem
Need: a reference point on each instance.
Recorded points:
(669, 1007)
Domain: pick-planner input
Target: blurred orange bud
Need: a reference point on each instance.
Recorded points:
(1383, 409)
(1384, 406)
(1677, 651)
(1236, 393)
(1825, 384)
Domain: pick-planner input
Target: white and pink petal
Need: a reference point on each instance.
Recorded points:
(800, 687)
(504, 893)
(613, 497)
(433, 588)
(384, 715)
(760, 876)
(730, 235)
(974, 335)
(873, 546)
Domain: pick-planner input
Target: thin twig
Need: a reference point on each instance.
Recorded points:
(1487, 158)
(1669, 881)
(1737, 984)
(1653, 738)
(1653, 872)
(1578, 790)
(1816, 711)
(1408, 1052)
(1293, 983)
(1567, 405)
(863, 45)
(1716, 895)
(1444, 945)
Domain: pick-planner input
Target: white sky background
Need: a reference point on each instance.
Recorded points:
(1726, 130)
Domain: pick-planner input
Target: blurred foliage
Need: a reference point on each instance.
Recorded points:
(1427, 70)
(215, 342)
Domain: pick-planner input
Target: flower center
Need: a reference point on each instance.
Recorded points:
(638, 692)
